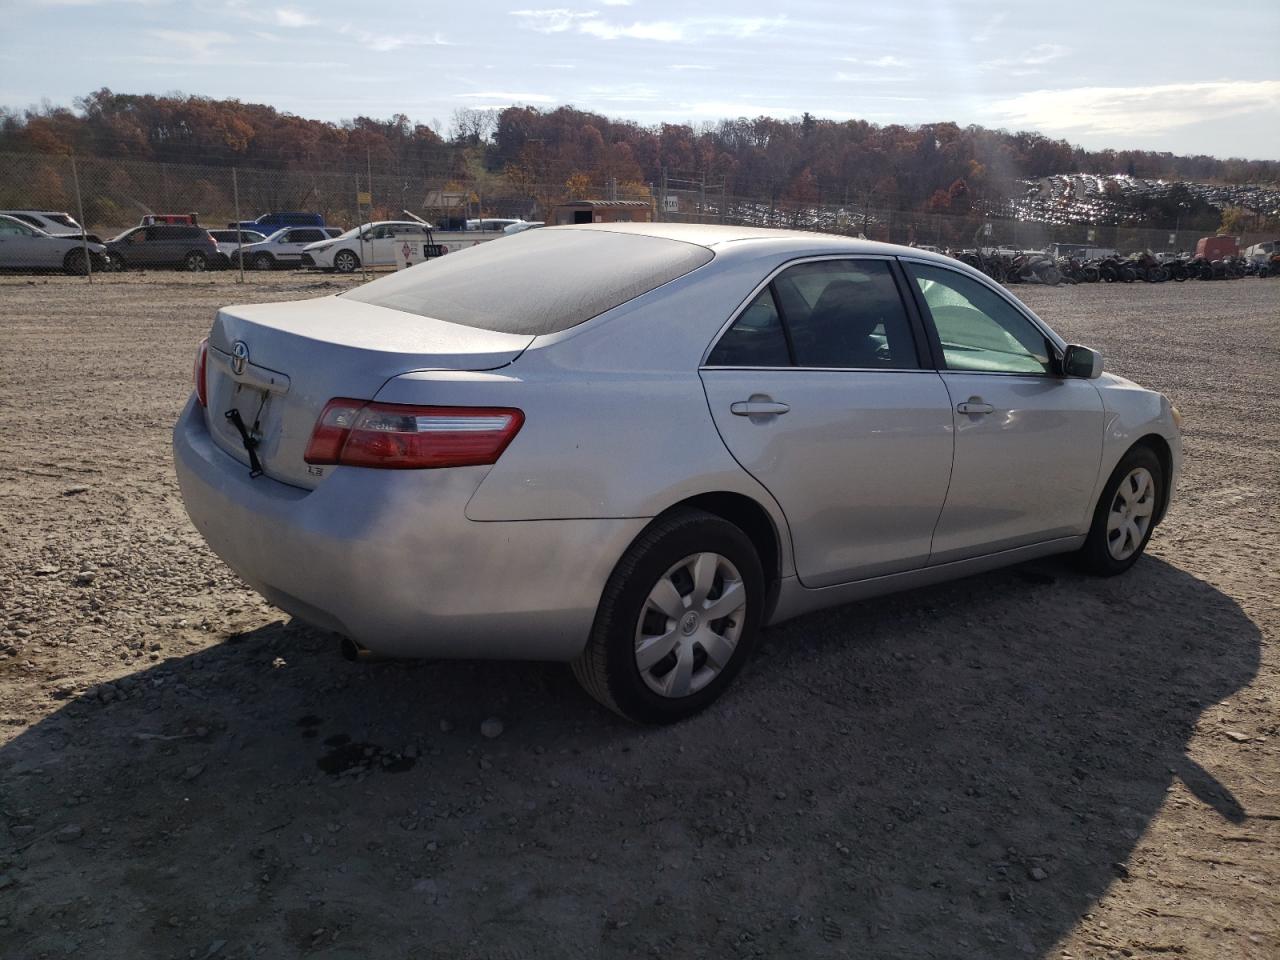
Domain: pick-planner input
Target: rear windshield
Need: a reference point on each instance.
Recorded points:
(536, 282)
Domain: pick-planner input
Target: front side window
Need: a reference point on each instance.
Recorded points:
(10, 228)
(980, 331)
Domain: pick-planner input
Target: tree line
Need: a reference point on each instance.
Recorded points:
(937, 167)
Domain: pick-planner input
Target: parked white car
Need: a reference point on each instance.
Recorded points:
(24, 247)
(282, 249)
(229, 241)
(378, 244)
(52, 222)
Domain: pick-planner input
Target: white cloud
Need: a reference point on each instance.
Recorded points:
(1136, 111)
(985, 32)
(508, 98)
(616, 3)
(384, 42)
(555, 20)
(664, 31)
(197, 44)
(288, 17)
(1021, 66)
(689, 66)
(593, 23)
(622, 93)
(884, 63)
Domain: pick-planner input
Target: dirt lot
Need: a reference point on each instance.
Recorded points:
(1024, 764)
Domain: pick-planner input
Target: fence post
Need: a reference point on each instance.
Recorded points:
(360, 227)
(235, 199)
(84, 240)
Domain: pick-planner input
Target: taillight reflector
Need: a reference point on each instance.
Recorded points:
(401, 436)
(198, 372)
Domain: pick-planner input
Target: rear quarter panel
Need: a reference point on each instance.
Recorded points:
(616, 420)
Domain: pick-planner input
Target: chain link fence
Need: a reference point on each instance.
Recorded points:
(111, 196)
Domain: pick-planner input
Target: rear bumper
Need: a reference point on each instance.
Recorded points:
(388, 557)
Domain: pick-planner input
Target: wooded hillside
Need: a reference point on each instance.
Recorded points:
(935, 167)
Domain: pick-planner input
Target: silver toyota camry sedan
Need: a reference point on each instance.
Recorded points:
(630, 447)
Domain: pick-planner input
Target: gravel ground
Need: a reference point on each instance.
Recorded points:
(1024, 764)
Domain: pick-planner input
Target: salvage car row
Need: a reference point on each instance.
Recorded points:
(50, 240)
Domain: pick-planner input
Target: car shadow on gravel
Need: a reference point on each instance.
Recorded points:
(960, 771)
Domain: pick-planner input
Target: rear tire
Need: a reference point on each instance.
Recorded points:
(195, 262)
(1125, 515)
(345, 261)
(657, 654)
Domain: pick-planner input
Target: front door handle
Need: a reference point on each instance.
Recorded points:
(975, 405)
(758, 408)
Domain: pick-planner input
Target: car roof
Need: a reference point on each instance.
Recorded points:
(714, 235)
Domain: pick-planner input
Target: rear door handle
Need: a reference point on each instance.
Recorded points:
(975, 405)
(758, 408)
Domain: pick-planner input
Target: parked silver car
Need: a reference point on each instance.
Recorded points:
(629, 446)
(24, 247)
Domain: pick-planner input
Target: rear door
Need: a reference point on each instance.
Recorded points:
(1028, 441)
(290, 246)
(821, 391)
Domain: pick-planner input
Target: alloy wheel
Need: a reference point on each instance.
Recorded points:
(690, 624)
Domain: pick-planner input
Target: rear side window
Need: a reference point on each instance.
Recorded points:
(846, 313)
(756, 338)
(536, 282)
(842, 314)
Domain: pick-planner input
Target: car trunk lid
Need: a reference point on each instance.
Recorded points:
(278, 364)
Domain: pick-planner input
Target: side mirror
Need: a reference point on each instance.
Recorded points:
(1082, 362)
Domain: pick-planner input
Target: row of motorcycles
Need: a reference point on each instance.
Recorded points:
(1042, 268)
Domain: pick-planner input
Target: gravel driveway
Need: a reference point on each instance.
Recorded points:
(1023, 764)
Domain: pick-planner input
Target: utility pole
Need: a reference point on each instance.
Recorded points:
(662, 196)
(235, 199)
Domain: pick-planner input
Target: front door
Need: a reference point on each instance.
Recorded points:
(819, 391)
(1028, 440)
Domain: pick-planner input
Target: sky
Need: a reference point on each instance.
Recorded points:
(1172, 75)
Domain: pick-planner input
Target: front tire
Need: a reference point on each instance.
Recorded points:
(1125, 515)
(678, 618)
(75, 264)
(345, 262)
(263, 261)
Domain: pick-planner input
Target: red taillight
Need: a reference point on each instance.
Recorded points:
(402, 436)
(198, 372)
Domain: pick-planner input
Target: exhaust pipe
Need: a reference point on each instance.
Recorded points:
(355, 653)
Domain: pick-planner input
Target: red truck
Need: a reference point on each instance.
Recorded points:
(1217, 248)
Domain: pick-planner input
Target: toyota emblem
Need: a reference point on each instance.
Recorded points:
(239, 357)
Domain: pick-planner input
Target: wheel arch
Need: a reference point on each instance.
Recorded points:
(1160, 447)
(751, 518)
